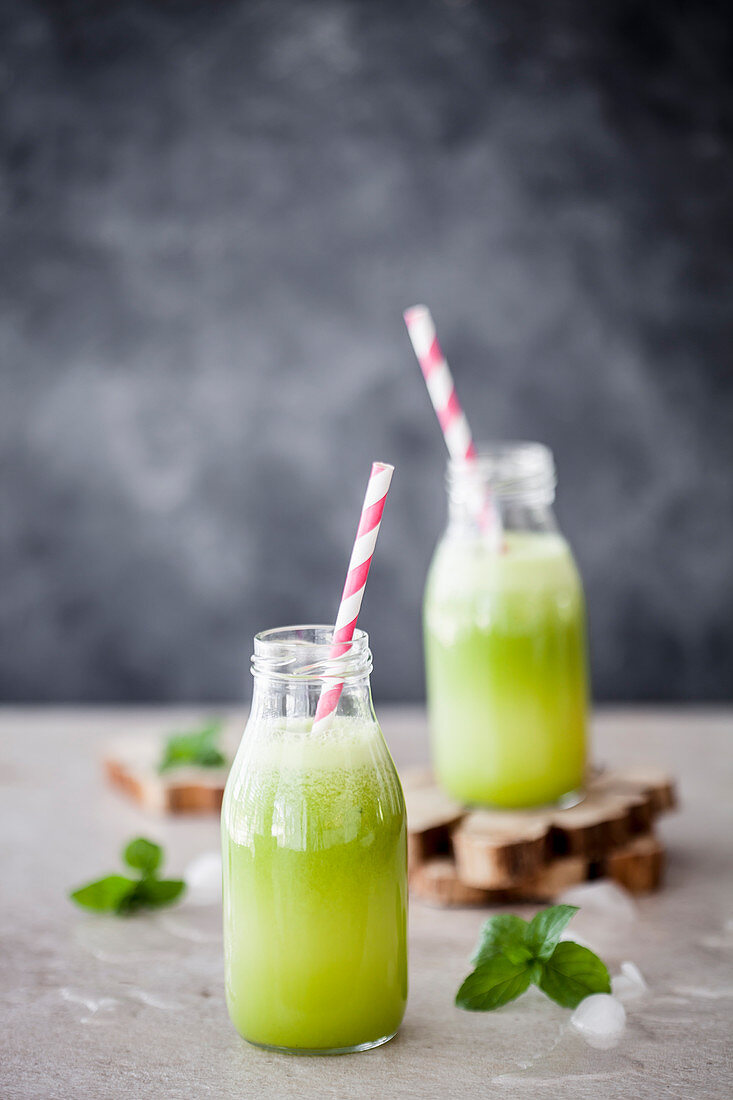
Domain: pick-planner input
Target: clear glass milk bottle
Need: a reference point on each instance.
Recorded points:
(505, 643)
(314, 851)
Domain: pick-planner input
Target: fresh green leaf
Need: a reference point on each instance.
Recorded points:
(210, 758)
(104, 895)
(535, 971)
(493, 983)
(143, 855)
(123, 895)
(512, 954)
(161, 891)
(130, 903)
(573, 973)
(504, 934)
(198, 748)
(545, 929)
(151, 893)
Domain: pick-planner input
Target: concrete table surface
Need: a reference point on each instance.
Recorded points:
(98, 1007)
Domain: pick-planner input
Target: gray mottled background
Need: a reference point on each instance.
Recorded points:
(213, 215)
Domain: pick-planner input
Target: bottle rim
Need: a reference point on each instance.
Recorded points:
(302, 653)
(511, 469)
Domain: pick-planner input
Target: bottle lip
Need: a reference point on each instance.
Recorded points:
(303, 653)
(512, 469)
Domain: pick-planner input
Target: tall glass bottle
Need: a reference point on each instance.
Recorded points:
(505, 639)
(314, 850)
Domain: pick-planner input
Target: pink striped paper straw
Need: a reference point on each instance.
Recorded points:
(442, 390)
(356, 578)
(439, 381)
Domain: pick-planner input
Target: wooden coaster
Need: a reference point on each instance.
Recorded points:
(459, 856)
(436, 882)
(601, 821)
(639, 865)
(130, 765)
(551, 880)
(653, 783)
(432, 814)
(494, 849)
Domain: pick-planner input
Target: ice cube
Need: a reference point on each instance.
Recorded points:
(603, 897)
(600, 1019)
(629, 984)
(606, 912)
(203, 879)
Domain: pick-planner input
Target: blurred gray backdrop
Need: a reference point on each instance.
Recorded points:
(214, 214)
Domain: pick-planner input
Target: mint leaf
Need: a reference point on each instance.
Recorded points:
(210, 757)
(545, 929)
(573, 973)
(160, 891)
(143, 855)
(151, 893)
(197, 748)
(512, 954)
(493, 983)
(504, 934)
(104, 895)
(122, 895)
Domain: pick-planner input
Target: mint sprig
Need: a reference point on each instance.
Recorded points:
(143, 855)
(123, 895)
(573, 973)
(513, 954)
(197, 747)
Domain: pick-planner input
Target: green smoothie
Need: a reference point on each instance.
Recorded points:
(506, 670)
(315, 896)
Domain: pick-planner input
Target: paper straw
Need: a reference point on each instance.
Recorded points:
(356, 578)
(442, 390)
(439, 381)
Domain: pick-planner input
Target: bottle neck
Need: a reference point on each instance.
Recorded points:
(297, 699)
(292, 666)
(516, 479)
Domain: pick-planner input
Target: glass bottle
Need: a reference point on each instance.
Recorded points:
(505, 646)
(314, 853)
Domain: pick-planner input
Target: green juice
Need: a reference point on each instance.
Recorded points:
(506, 670)
(315, 896)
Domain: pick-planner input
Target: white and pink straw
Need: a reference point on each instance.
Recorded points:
(442, 390)
(356, 578)
(439, 381)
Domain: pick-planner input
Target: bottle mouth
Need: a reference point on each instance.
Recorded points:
(511, 470)
(303, 653)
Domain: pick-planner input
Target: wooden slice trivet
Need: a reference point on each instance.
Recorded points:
(430, 816)
(436, 882)
(551, 880)
(494, 849)
(655, 784)
(130, 765)
(644, 801)
(534, 855)
(599, 822)
(639, 866)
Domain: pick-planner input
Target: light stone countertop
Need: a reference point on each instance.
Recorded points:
(101, 1008)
